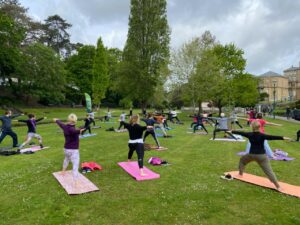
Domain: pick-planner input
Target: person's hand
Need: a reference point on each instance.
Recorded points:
(81, 130)
(55, 119)
(149, 127)
(287, 138)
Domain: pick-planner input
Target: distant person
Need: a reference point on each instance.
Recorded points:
(222, 125)
(31, 133)
(122, 120)
(6, 127)
(298, 135)
(108, 115)
(288, 113)
(87, 123)
(130, 113)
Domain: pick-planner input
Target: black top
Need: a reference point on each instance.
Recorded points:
(257, 140)
(135, 131)
(6, 121)
(31, 124)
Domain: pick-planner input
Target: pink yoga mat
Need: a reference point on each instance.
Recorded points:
(66, 180)
(133, 169)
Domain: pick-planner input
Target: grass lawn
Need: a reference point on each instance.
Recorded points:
(189, 191)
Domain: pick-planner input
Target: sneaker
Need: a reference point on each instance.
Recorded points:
(227, 177)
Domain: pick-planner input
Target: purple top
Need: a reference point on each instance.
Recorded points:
(71, 135)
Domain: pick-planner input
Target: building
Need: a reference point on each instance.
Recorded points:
(275, 85)
(293, 75)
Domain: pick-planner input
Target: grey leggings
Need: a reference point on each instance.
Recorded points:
(262, 161)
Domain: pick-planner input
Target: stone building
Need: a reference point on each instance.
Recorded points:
(274, 84)
(293, 75)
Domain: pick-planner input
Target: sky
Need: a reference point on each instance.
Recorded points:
(267, 30)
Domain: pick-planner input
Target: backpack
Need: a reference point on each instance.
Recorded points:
(155, 161)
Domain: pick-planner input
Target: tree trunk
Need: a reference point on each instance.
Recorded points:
(200, 107)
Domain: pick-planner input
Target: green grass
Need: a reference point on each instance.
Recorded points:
(189, 191)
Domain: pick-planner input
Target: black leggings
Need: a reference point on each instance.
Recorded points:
(237, 122)
(153, 135)
(298, 135)
(139, 148)
(226, 131)
(193, 123)
(86, 128)
(14, 136)
(121, 125)
(196, 127)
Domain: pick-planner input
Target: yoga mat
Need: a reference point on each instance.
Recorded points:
(199, 133)
(265, 182)
(87, 135)
(121, 130)
(96, 127)
(66, 180)
(33, 149)
(162, 135)
(154, 147)
(228, 139)
(133, 169)
(277, 158)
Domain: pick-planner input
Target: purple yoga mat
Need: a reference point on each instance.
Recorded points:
(277, 158)
(133, 169)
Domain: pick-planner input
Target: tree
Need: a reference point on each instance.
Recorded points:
(33, 30)
(100, 74)
(230, 64)
(56, 35)
(80, 72)
(42, 74)
(203, 83)
(245, 92)
(146, 53)
(11, 36)
(185, 59)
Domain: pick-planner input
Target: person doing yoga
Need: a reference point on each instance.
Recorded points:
(136, 142)
(298, 135)
(199, 123)
(71, 147)
(222, 125)
(257, 151)
(87, 123)
(6, 127)
(31, 133)
(235, 120)
(150, 122)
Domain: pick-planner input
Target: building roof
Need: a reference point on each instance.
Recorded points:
(271, 74)
(292, 68)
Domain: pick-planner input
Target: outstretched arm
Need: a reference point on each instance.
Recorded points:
(38, 120)
(16, 115)
(273, 124)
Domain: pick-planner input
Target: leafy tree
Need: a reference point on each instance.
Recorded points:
(33, 30)
(80, 70)
(204, 82)
(146, 53)
(230, 64)
(56, 35)
(245, 90)
(100, 74)
(11, 36)
(42, 74)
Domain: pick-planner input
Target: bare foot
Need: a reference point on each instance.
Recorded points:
(63, 173)
(240, 175)
(143, 174)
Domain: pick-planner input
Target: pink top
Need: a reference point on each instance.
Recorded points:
(261, 123)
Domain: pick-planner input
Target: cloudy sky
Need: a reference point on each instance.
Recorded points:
(267, 30)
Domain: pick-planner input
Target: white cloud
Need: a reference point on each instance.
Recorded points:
(266, 30)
